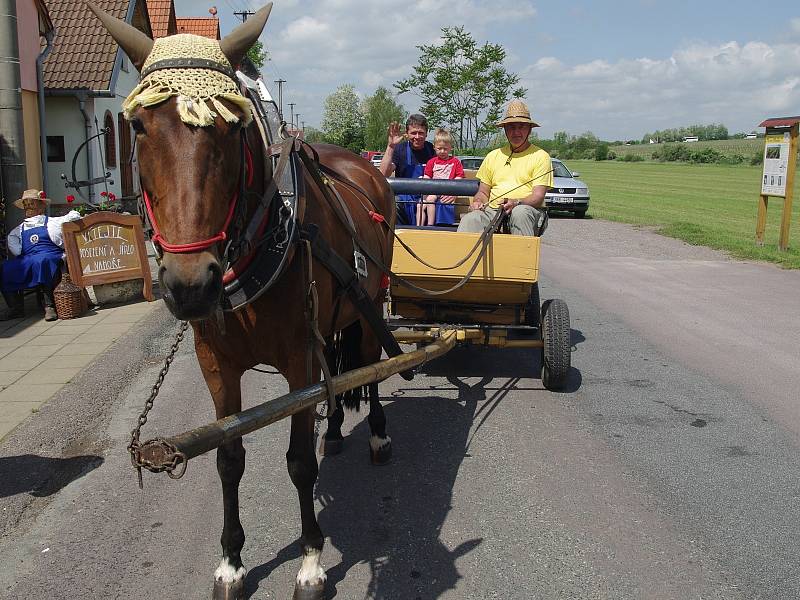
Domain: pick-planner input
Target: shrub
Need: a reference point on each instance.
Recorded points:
(601, 152)
(757, 158)
(631, 157)
(705, 156)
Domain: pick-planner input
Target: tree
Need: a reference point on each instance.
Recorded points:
(380, 109)
(257, 54)
(314, 136)
(463, 86)
(343, 121)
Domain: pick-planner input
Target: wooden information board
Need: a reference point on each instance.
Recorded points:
(106, 247)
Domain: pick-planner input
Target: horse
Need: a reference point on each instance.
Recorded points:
(199, 158)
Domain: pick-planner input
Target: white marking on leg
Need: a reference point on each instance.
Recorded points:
(376, 443)
(311, 573)
(226, 573)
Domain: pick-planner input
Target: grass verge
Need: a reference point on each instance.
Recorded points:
(706, 205)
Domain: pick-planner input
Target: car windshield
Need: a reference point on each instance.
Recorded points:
(471, 163)
(559, 170)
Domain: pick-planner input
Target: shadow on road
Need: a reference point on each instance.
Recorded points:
(391, 517)
(42, 476)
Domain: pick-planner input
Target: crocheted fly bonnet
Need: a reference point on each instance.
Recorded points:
(199, 89)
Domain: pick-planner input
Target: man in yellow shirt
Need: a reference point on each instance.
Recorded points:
(513, 178)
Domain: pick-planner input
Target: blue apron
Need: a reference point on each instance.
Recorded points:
(38, 264)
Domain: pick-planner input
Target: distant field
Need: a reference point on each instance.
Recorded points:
(746, 148)
(707, 205)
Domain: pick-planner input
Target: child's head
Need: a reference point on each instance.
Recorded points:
(443, 143)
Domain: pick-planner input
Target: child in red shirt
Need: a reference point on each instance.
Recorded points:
(441, 166)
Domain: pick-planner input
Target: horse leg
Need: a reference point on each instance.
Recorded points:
(380, 444)
(224, 383)
(333, 440)
(301, 461)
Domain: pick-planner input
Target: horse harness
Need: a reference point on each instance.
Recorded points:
(258, 250)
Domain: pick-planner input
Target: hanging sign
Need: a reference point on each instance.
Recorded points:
(776, 164)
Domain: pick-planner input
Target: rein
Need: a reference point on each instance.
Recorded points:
(159, 240)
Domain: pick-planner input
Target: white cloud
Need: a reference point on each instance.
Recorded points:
(737, 85)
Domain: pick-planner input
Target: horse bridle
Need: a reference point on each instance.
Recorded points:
(245, 181)
(245, 177)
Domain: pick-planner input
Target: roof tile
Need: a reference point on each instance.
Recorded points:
(162, 17)
(83, 52)
(205, 26)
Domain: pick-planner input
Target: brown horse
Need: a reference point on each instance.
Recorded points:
(191, 175)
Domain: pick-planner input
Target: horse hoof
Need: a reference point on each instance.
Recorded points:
(332, 446)
(309, 592)
(228, 591)
(381, 456)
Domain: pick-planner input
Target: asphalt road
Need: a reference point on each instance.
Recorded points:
(669, 469)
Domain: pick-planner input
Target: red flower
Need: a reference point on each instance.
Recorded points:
(70, 198)
(112, 196)
(42, 195)
(104, 194)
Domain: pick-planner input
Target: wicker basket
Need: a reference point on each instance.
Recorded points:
(70, 299)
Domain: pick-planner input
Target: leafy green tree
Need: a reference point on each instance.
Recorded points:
(257, 55)
(314, 136)
(380, 109)
(343, 121)
(463, 85)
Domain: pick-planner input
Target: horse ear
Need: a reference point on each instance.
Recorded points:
(135, 43)
(236, 44)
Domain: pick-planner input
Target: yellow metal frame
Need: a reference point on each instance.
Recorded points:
(487, 336)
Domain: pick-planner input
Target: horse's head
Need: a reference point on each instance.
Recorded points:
(189, 115)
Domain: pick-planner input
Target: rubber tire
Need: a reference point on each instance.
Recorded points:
(556, 348)
(579, 214)
(533, 308)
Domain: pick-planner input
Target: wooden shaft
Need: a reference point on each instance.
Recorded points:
(786, 218)
(202, 439)
(761, 221)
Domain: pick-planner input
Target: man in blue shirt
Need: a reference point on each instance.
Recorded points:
(406, 156)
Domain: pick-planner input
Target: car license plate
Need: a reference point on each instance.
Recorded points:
(562, 200)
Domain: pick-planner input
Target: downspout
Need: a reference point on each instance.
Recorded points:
(88, 124)
(40, 81)
(12, 150)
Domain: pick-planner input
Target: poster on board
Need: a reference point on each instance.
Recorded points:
(776, 164)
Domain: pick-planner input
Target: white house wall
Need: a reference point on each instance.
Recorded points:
(63, 118)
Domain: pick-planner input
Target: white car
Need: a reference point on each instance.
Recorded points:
(568, 192)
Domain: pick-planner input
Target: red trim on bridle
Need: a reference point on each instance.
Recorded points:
(157, 238)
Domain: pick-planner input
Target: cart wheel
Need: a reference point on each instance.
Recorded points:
(556, 355)
(532, 307)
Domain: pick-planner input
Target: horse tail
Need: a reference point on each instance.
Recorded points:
(344, 354)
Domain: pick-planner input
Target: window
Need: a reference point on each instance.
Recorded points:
(55, 149)
(110, 141)
(124, 65)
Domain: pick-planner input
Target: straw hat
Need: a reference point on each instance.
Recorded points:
(517, 112)
(31, 195)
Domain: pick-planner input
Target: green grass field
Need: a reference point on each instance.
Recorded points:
(746, 148)
(707, 205)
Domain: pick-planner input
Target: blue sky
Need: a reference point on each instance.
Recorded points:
(619, 69)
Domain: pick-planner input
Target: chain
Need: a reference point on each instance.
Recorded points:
(135, 447)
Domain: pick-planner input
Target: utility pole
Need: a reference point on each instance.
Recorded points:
(291, 109)
(297, 120)
(280, 83)
(244, 14)
(13, 173)
(304, 128)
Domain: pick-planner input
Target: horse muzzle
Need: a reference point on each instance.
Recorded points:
(192, 285)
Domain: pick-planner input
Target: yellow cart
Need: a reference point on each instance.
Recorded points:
(498, 305)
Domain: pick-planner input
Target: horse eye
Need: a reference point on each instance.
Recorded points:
(138, 126)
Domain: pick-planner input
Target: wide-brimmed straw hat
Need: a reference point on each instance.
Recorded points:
(31, 195)
(517, 112)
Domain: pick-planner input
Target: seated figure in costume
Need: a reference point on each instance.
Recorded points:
(35, 249)
(514, 178)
